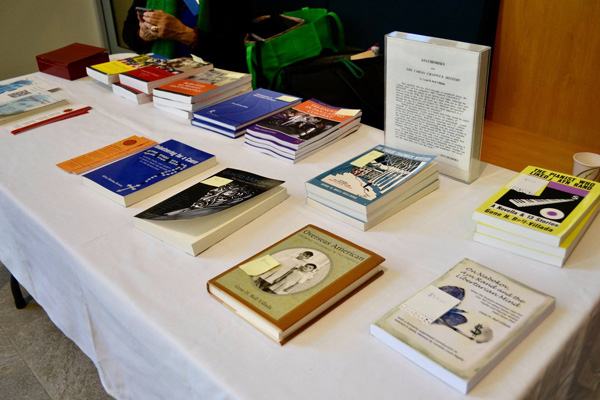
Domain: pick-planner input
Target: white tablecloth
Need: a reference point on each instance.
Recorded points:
(140, 310)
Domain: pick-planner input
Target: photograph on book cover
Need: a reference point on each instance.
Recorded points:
(435, 92)
(334, 259)
(298, 124)
(298, 270)
(220, 192)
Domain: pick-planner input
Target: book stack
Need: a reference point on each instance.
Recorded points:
(201, 215)
(185, 96)
(540, 214)
(108, 72)
(233, 116)
(373, 186)
(302, 130)
(147, 78)
(128, 93)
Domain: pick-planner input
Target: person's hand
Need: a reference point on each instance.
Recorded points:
(160, 25)
(146, 33)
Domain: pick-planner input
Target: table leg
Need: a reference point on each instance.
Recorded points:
(17, 294)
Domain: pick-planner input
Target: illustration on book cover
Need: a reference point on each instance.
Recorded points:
(535, 199)
(387, 169)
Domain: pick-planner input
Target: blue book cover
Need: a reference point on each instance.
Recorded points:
(246, 109)
(371, 175)
(146, 168)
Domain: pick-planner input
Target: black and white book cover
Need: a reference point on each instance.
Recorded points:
(222, 191)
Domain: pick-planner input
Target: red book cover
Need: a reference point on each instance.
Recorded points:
(149, 74)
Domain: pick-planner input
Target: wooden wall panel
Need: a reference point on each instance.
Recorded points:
(545, 74)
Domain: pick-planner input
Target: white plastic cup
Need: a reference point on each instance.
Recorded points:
(587, 166)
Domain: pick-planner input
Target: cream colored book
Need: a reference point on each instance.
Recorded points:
(462, 324)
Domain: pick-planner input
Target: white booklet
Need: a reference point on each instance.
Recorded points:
(435, 92)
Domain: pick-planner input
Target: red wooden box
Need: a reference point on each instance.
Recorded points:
(69, 62)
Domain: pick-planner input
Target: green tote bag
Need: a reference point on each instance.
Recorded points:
(275, 42)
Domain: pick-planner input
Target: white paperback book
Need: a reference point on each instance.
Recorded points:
(461, 325)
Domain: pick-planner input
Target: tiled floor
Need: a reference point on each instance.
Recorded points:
(37, 362)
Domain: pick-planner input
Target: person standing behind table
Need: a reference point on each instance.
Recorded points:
(216, 34)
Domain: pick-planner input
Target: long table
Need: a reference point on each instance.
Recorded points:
(139, 309)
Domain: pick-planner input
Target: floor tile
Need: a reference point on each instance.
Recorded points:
(22, 385)
(34, 353)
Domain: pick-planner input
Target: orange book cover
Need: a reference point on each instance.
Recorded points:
(106, 154)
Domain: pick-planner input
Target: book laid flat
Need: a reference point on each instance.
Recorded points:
(461, 325)
(147, 78)
(540, 204)
(202, 86)
(131, 94)
(146, 173)
(30, 83)
(371, 184)
(108, 72)
(306, 274)
(205, 213)
(294, 130)
(553, 255)
(26, 101)
(231, 117)
(106, 154)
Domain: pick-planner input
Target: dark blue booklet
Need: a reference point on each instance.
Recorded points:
(146, 173)
(235, 114)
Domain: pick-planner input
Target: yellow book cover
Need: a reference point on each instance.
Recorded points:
(540, 204)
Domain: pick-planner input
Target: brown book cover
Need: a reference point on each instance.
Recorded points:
(315, 271)
(69, 62)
